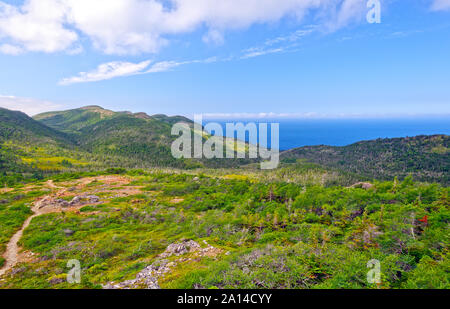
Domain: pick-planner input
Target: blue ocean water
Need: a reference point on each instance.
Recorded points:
(340, 132)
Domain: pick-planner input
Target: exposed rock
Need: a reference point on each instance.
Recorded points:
(81, 200)
(68, 232)
(93, 198)
(148, 278)
(363, 185)
(181, 248)
(76, 200)
(46, 201)
(62, 203)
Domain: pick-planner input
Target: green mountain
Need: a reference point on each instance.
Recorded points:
(18, 126)
(18, 134)
(73, 121)
(28, 148)
(133, 139)
(427, 158)
(141, 139)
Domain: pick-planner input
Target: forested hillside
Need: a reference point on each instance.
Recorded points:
(18, 126)
(91, 138)
(22, 140)
(427, 158)
(141, 139)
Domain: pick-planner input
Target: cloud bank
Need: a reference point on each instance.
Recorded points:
(145, 26)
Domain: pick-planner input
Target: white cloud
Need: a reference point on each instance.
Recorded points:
(346, 12)
(36, 26)
(115, 69)
(279, 44)
(214, 37)
(292, 37)
(9, 49)
(27, 105)
(164, 66)
(107, 71)
(441, 5)
(256, 52)
(144, 26)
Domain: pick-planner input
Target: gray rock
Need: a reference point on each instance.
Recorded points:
(181, 248)
(68, 232)
(62, 203)
(75, 201)
(93, 198)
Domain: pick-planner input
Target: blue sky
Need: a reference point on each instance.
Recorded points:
(291, 58)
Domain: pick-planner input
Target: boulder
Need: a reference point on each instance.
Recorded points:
(62, 203)
(68, 232)
(363, 185)
(93, 198)
(181, 248)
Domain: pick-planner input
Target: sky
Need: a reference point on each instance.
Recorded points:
(228, 58)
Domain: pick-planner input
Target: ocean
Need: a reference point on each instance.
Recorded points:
(341, 132)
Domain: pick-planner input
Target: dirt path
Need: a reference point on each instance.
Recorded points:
(12, 249)
(42, 207)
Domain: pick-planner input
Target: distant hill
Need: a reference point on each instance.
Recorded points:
(18, 126)
(73, 121)
(134, 139)
(142, 139)
(427, 158)
(18, 133)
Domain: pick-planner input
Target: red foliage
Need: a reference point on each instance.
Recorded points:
(424, 219)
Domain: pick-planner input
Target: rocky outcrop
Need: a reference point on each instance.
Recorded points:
(363, 185)
(76, 201)
(181, 248)
(86, 199)
(148, 278)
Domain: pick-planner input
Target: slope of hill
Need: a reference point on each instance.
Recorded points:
(28, 148)
(427, 158)
(142, 139)
(18, 126)
(72, 121)
(133, 140)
